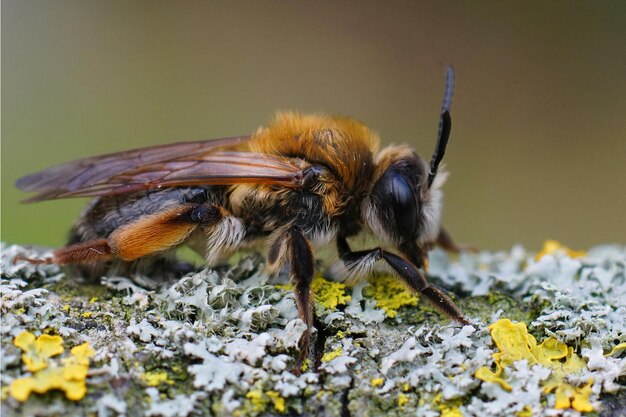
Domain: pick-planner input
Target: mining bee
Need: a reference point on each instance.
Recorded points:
(301, 182)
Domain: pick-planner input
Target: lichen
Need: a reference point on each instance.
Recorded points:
(551, 247)
(47, 374)
(277, 400)
(390, 294)
(329, 294)
(220, 334)
(329, 356)
(38, 350)
(377, 382)
(516, 344)
(258, 402)
(156, 378)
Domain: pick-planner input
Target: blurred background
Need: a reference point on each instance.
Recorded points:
(538, 146)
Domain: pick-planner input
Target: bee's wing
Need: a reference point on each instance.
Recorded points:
(181, 164)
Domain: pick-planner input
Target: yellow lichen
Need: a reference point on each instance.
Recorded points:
(37, 351)
(390, 294)
(617, 350)
(87, 314)
(526, 412)
(515, 343)
(327, 357)
(44, 381)
(552, 246)
(448, 408)
(330, 294)
(485, 374)
(156, 378)
(77, 365)
(377, 382)
(451, 412)
(284, 287)
(568, 396)
(257, 401)
(69, 378)
(277, 400)
(402, 399)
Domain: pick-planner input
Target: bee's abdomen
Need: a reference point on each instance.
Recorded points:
(105, 214)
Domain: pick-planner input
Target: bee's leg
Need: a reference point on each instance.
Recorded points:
(407, 271)
(445, 241)
(91, 251)
(417, 281)
(416, 254)
(145, 236)
(290, 245)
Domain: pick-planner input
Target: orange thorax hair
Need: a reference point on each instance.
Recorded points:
(343, 145)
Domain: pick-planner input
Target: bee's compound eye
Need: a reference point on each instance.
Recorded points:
(395, 198)
(404, 205)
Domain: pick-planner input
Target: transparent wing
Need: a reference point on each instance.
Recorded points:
(179, 164)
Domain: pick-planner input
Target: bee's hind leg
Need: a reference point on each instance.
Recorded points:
(290, 245)
(146, 236)
(87, 252)
(445, 241)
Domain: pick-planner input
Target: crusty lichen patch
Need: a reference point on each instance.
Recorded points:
(38, 350)
(68, 375)
(225, 342)
(329, 294)
(515, 344)
(390, 294)
(551, 247)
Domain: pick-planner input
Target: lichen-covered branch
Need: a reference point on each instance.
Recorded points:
(548, 337)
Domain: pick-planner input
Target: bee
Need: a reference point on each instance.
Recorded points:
(301, 182)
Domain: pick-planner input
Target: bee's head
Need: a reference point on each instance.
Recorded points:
(404, 205)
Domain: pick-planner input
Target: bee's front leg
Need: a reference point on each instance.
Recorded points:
(290, 245)
(418, 255)
(409, 273)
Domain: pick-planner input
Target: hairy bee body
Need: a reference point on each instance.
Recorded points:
(300, 182)
(338, 153)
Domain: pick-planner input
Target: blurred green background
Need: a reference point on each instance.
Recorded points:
(538, 147)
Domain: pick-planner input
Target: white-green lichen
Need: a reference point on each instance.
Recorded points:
(225, 342)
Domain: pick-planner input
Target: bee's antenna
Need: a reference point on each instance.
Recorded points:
(445, 125)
